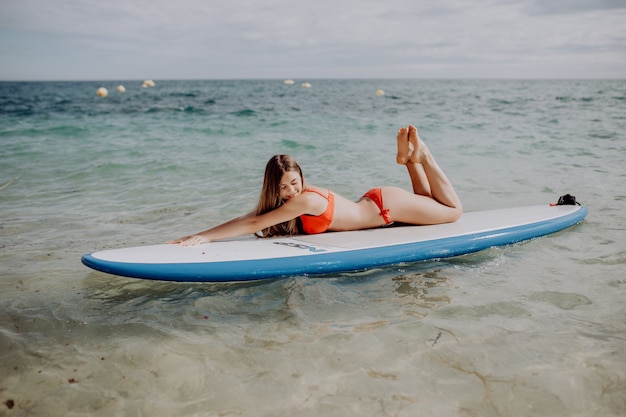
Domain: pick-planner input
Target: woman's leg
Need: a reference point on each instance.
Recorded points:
(440, 187)
(434, 199)
(419, 180)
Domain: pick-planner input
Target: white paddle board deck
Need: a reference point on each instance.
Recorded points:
(252, 258)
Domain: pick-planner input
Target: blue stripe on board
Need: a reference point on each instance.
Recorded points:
(325, 263)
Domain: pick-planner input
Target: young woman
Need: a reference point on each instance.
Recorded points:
(288, 205)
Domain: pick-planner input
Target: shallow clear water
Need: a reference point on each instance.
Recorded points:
(536, 328)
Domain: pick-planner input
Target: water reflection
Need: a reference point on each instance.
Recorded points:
(421, 293)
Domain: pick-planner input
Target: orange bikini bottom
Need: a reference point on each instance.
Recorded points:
(376, 195)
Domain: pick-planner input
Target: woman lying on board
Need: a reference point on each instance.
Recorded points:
(288, 205)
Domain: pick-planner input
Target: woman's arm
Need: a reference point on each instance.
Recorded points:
(248, 224)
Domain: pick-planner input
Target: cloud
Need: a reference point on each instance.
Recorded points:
(325, 38)
(541, 7)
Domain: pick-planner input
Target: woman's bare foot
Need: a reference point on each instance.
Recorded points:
(417, 154)
(404, 150)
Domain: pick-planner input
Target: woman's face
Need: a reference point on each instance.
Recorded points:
(290, 185)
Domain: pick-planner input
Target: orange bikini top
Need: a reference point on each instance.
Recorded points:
(319, 224)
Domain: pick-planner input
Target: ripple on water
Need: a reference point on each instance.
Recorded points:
(565, 301)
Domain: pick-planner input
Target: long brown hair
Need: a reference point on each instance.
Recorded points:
(270, 199)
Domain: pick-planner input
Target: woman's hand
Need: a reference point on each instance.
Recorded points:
(190, 240)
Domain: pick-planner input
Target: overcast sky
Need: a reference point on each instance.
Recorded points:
(212, 39)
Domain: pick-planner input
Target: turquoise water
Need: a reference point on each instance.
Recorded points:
(536, 328)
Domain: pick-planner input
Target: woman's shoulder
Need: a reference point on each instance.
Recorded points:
(310, 189)
(312, 200)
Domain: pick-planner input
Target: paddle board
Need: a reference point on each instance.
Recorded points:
(251, 258)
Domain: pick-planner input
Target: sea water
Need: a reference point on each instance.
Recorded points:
(537, 328)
